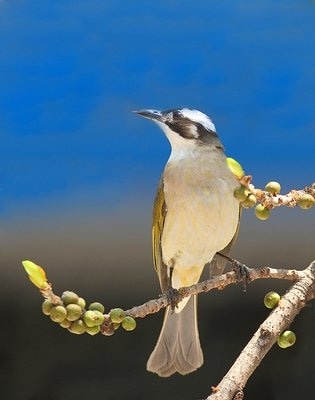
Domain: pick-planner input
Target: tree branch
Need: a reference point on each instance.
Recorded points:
(266, 335)
(233, 383)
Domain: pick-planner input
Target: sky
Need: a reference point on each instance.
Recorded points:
(72, 72)
(79, 171)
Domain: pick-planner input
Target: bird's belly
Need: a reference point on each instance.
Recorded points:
(196, 227)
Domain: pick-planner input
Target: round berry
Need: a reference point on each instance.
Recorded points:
(306, 201)
(97, 306)
(74, 312)
(129, 323)
(69, 298)
(77, 327)
(271, 299)
(286, 339)
(92, 330)
(58, 313)
(262, 212)
(81, 302)
(117, 315)
(273, 187)
(47, 306)
(249, 202)
(241, 193)
(65, 323)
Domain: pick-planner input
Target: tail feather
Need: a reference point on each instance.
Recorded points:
(178, 347)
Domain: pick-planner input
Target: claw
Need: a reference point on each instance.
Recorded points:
(242, 273)
(173, 296)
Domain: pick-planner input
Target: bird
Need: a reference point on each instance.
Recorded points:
(195, 215)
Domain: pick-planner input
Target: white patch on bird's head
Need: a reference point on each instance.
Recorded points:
(199, 117)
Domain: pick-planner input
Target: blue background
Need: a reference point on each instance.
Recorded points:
(78, 170)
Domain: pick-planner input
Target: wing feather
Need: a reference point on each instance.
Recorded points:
(159, 214)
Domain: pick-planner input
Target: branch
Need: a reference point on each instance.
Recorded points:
(270, 198)
(279, 319)
(231, 386)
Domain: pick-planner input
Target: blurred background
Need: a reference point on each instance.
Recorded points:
(79, 171)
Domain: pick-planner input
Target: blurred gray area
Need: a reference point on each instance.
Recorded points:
(105, 255)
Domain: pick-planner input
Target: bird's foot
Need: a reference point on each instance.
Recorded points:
(242, 273)
(173, 296)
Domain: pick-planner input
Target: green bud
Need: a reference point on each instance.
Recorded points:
(77, 327)
(241, 193)
(286, 339)
(47, 306)
(74, 312)
(249, 202)
(273, 187)
(235, 167)
(93, 330)
(81, 302)
(271, 299)
(262, 212)
(65, 323)
(58, 313)
(306, 201)
(117, 315)
(97, 306)
(129, 323)
(69, 298)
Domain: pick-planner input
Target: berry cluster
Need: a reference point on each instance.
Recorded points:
(71, 313)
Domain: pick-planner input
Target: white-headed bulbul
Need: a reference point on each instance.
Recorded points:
(195, 216)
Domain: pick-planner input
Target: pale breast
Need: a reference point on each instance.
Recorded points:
(202, 215)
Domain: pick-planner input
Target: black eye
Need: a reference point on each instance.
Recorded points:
(177, 114)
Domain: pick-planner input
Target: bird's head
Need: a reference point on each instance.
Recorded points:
(185, 127)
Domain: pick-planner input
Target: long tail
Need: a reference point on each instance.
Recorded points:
(178, 347)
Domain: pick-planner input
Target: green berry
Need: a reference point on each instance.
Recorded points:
(306, 201)
(81, 302)
(286, 339)
(74, 312)
(273, 187)
(116, 325)
(117, 315)
(58, 313)
(69, 298)
(241, 193)
(99, 317)
(77, 327)
(65, 323)
(97, 306)
(47, 306)
(93, 318)
(89, 318)
(262, 212)
(93, 330)
(249, 202)
(271, 299)
(129, 323)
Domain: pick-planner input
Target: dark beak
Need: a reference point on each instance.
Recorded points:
(150, 114)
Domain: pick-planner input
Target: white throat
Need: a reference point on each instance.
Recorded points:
(181, 147)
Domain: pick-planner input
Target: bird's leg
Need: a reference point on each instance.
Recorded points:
(241, 270)
(172, 294)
